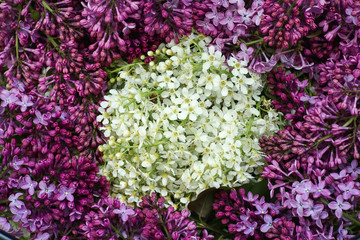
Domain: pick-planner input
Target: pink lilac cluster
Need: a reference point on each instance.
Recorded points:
(110, 219)
(45, 186)
(48, 133)
(132, 28)
(290, 91)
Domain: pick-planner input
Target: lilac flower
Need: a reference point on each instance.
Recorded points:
(14, 202)
(206, 236)
(45, 189)
(31, 224)
(348, 190)
(25, 102)
(16, 163)
(229, 20)
(250, 228)
(343, 233)
(4, 224)
(219, 3)
(305, 188)
(353, 169)
(39, 118)
(268, 224)
(8, 98)
(314, 211)
(339, 205)
(300, 205)
(124, 212)
(75, 215)
(240, 226)
(322, 215)
(20, 213)
(207, 26)
(29, 185)
(66, 193)
(338, 176)
(250, 197)
(320, 190)
(262, 209)
(215, 16)
(42, 236)
(245, 52)
(352, 18)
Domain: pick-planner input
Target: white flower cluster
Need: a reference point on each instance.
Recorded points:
(184, 123)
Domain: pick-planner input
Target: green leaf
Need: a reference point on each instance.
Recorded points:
(202, 206)
(260, 188)
(35, 15)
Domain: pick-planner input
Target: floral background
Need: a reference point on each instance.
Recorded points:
(179, 119)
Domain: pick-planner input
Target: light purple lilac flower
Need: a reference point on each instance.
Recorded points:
(25, 103)
(215, 16)
(40, 119)
(124, 212)
(4, 224)
(250, 228)
(300, 205)
(8, 98)
(45, 189)
(339, 205)
(66, 193)
(14, 202)
(268, 224)
(320, 190)
(353, 169)
(29, 184)
(305, 188)
(20, 213)
(229, 20)
(348, 190)
(42, 236)
(16, 163)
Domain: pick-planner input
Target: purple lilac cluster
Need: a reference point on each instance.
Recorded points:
(290, 91)
(249, 216)
(297, 33)
(48, 132)
(132, 28)
(110, 219)
(313, 163)
(52, 80)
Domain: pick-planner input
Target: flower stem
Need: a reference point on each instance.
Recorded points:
(118, 232)
(349, 121)
(17, 46)
(248, 130)
(47, 6)
(291, 7)
(315, 34)
(51, 39)
(17, 39)
(2, 201)
(351, 218)
(253, 42)
(220, 70)
(165, 229)
(127, 65)
(322, 139)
